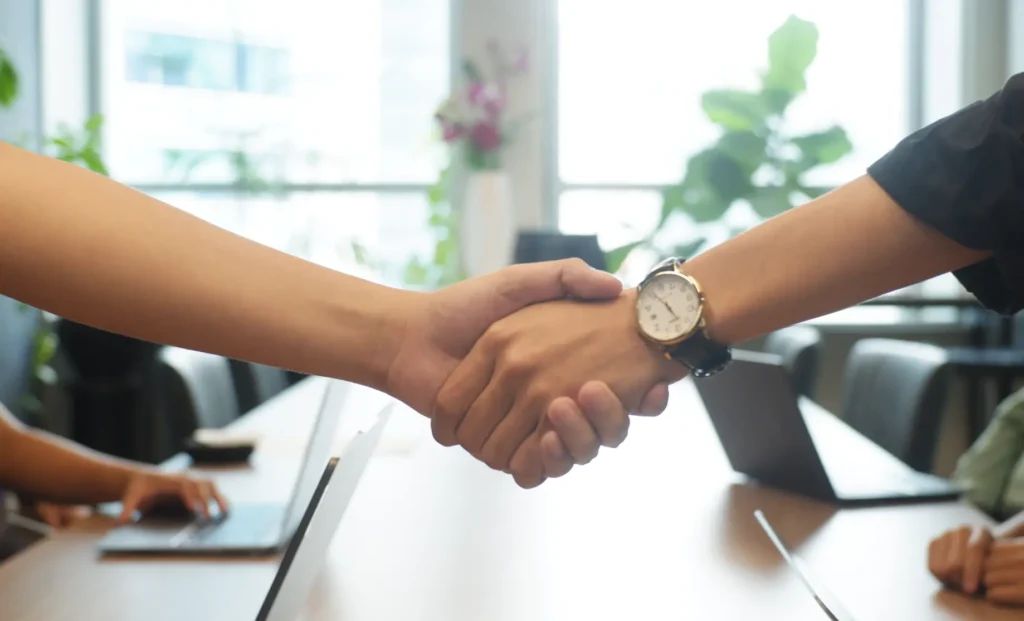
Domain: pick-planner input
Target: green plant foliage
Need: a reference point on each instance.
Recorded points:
(754, 159)
(8, 81)
(80, 147)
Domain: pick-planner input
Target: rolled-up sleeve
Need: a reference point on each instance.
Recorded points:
(964, 176)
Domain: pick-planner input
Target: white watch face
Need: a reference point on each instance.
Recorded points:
(668, 307)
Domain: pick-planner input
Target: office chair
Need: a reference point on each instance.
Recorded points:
(256, 383)
(895, 393)
(800, 350)
(197, 392)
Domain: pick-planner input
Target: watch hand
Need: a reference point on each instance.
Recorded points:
(667, 306)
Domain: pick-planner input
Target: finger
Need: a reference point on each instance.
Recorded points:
(49, 515)
(129, 505)
(957, 552)
(527, 466)
(512, 431)
(557, 460)
(460, 390)
(977, 549)
(655, 401)
(939, 558)
(484, 416)
(578, 436)
(529, 283)
(1006, 595)
(205, 496)
(190, 495)
(1004, 577)
(1003, 556)
(605, 412)
(222, 502)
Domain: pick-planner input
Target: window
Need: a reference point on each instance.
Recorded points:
(173, 60)
(243, 113)
(630, 79)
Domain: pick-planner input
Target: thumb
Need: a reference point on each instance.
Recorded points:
(128, 506)
(530, 283)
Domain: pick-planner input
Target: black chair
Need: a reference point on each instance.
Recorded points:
(895, 394)
(536, 246)
(800, 350)
(256, 383)
(197, 391)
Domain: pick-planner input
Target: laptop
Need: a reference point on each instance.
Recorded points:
(308, 547)
(249, 528)
(826, 601)
(794, 444)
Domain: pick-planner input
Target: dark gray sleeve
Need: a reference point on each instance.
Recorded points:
(964, 176)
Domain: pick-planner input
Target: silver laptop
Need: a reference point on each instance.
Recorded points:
(826, 601)
(308, 547)
(248, 528)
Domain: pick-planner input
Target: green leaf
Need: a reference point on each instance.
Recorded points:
(770, 201)
(615, 257)
(94, 123)
(791, 50)
(824, 147)
(61, 142)
(689, 249)
(727, 177)
(777, 100)
(813, 192)
(416, 273)
(93, 162)
(671, 200)
(746, 148)
(735, 110)
(8, 81)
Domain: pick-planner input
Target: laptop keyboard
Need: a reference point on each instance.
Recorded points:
(238, 527)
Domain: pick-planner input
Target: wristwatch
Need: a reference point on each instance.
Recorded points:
(670, 314)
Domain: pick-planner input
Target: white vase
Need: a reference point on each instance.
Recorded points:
(487, 230)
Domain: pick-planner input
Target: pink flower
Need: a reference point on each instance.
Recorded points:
(485, 136)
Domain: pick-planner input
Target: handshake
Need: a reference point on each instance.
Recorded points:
(531, 368)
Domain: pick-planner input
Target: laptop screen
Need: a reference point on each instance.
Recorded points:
(831, 607)
(308, 547)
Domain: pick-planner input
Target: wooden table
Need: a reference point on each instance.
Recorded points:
(656, 529)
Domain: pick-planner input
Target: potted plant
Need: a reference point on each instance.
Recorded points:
(756, 159)
(474, 123)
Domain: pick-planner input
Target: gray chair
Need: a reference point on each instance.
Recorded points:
(800, 350)
(256, 383)
(197, 391)
(895, 393)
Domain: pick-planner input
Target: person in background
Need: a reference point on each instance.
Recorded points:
(992, 470)
(58, 480)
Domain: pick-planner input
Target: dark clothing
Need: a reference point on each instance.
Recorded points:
(964, 176)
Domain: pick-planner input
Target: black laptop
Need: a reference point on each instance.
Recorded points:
(794, 444)
(308, 547)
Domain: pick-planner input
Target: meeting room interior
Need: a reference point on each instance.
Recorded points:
(866, 463)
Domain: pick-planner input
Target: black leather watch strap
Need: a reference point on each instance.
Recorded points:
(701, 355)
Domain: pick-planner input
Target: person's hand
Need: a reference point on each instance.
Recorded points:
(148, 489)
(1004, 572)
(495, 400)
(446, 325)
(59, 516)
(957, 557)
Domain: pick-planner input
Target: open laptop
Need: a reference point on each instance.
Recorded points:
(308, 547)
(826, 601)
(796, 445)
(248, 528)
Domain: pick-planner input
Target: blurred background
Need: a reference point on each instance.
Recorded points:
(416, 142)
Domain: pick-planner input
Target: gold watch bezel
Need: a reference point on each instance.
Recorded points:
(698, 325)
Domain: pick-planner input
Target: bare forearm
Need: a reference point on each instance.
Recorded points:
(40, 465)
(97, 252)
(846, 247)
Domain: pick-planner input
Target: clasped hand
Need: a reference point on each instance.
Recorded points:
(970, 559)
(531, 368)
